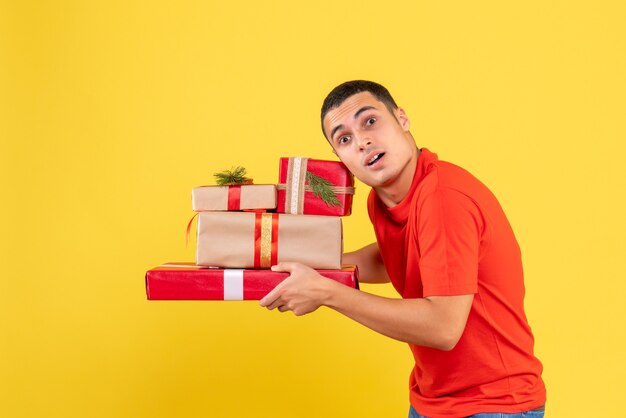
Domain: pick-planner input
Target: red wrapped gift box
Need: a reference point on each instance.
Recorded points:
(187, 281)
(294, 192)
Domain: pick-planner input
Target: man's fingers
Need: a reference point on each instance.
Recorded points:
(272, 296)
(276, 304)
(274, 299)
(284, 266)
(272, 304)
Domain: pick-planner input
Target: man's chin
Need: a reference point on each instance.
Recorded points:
(377, 180)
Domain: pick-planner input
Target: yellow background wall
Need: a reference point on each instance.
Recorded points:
(110, 112)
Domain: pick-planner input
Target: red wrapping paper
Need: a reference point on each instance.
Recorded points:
(333, 171)
(186, 281)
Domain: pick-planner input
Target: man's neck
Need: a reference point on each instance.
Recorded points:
(393, 193)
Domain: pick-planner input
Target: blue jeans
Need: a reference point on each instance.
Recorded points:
(529, 414)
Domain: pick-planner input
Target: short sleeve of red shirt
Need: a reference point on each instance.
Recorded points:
(449, 227)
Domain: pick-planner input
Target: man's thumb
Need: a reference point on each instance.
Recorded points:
(283, 266)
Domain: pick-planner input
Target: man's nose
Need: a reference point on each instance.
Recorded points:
(363, 141)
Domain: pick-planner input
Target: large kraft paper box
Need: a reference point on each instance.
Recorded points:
(231, 198)
(186, 281)
(261, 240)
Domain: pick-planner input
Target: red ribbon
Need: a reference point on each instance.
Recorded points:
(234, 197)
(263, 243)
(189, 229)
(274, 239)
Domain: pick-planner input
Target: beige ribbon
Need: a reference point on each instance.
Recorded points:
(296, 176)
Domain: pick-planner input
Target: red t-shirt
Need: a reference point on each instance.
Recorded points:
(449, 236)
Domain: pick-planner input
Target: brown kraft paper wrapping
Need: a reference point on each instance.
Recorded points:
(253, 196)
(227, 239)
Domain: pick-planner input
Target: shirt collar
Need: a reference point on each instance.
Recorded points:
(400, 212)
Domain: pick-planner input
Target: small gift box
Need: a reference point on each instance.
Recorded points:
(261, 240)
(314, 187)
(186, 281)
(234, 191)
(234, 197)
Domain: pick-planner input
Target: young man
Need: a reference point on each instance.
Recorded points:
(446, 246)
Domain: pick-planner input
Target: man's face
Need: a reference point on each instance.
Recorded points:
(372, 142)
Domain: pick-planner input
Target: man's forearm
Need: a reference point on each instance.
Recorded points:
(435, 321)
(419, 321)
(370, 264)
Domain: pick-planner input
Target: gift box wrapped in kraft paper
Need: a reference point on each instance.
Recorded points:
(235, 197)
(261, 240)
(186, 281)
(314, 187)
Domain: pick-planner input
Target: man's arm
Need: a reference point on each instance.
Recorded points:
(369, 263)
(436, 322)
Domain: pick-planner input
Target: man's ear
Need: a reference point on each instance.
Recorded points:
(403, 119)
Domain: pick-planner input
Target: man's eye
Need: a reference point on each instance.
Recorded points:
(343, 139)
(370, 121)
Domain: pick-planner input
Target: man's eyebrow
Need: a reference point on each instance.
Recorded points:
(356, 115)
(363, 109)
(335, 129)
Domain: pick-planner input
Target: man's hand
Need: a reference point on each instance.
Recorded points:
(302, 292)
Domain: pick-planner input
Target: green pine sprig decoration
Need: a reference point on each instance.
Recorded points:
(322, 189)
(234, 176)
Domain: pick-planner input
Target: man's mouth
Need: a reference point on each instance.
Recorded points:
(375, 158)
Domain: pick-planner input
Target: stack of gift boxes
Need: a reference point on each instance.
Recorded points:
(244, 229)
